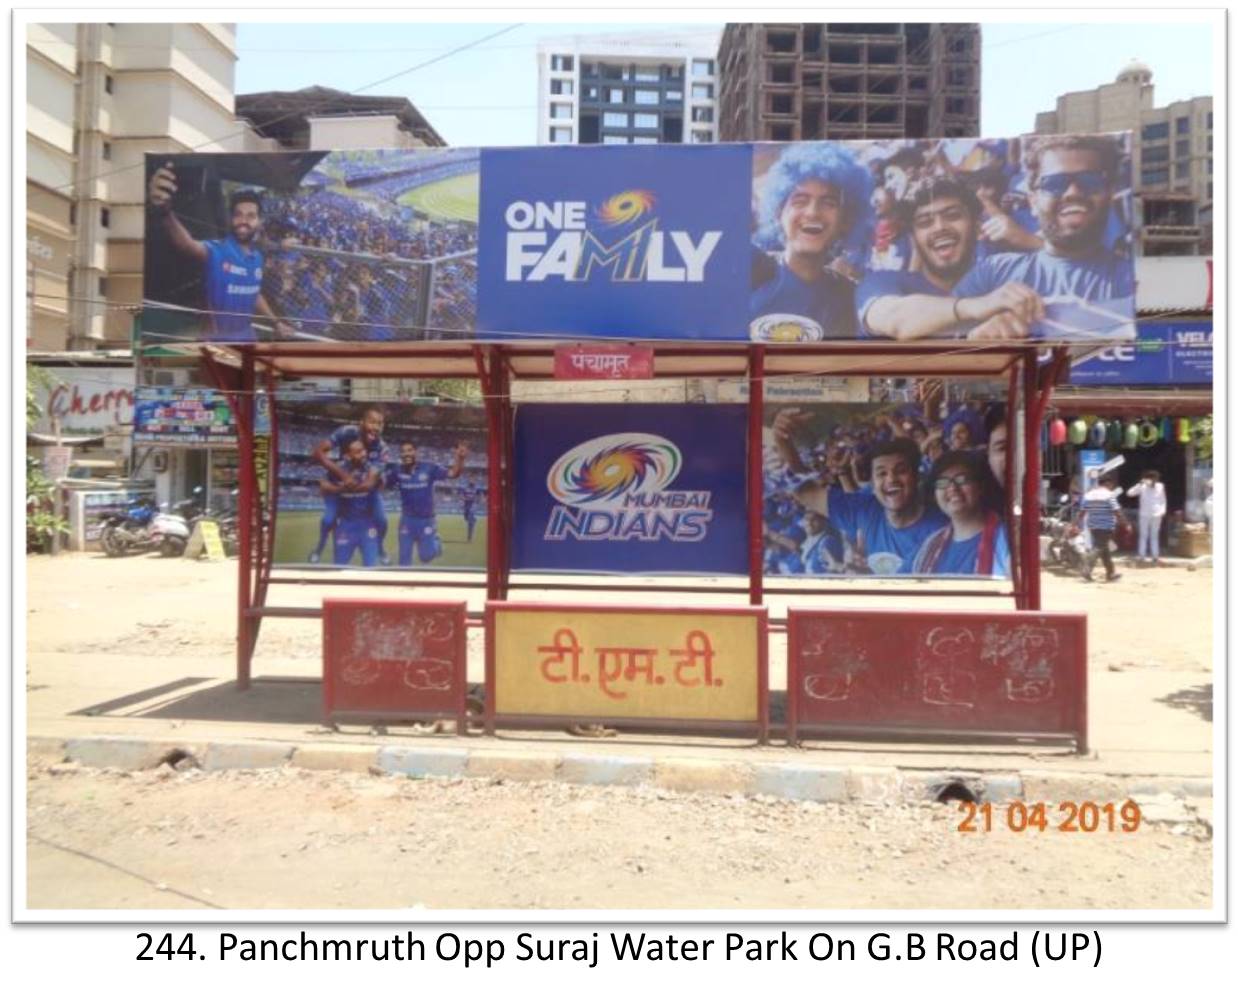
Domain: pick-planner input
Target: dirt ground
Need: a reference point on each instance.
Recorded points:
(286, 838)
(296, 839)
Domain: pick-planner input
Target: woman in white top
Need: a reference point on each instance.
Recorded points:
(1151, 494)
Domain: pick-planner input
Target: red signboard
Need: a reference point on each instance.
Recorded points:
(394, 660)
(965, 674)
(603, 363)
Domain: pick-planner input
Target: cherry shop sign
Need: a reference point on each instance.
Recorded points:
(99, 400)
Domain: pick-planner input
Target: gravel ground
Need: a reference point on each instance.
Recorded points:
(295, 839)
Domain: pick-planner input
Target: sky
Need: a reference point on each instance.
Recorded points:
(487, 95)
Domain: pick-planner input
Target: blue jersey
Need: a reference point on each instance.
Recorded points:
(317, 308)
(1104, 279)
(376, 453)
(468, 497)
(829, 301)
(233, 283)
(890, 283)
(961, 557)
(355, 507)
(416, 488)
(860, 512)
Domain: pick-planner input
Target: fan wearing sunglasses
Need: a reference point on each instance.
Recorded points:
(1072, 180)
(974, 541)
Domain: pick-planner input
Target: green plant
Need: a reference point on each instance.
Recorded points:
(42, 522)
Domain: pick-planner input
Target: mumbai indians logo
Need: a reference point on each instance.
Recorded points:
(626, 244)
(615, 488)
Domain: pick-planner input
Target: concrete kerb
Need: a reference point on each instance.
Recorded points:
(792, 780)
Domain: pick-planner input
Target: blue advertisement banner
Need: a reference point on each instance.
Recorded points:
(627, 489)
(900, 239)
(1164, 353)
(604, 241)
(182, 415)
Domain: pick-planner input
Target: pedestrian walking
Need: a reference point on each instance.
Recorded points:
(1099, 513)
(1151, 494)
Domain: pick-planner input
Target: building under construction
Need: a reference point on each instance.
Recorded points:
(792, 82)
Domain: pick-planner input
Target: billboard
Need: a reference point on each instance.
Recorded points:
(1170, 352)
(910, 489)
(630, 489)
(981, 239)
(183, 415)
(372, 485)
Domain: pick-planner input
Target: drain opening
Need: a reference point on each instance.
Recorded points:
(956, 791)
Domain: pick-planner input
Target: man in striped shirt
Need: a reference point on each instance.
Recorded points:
(1099, 513)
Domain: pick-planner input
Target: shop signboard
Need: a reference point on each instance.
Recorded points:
(1175, 353)
(630, 489)
(769, 242)
(186, 416)
(85, 400)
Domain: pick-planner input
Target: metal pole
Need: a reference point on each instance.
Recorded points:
(756, 466)
(1031, 486)
(508, 423)
(245, 521)
(494, 457)
(1011, 478)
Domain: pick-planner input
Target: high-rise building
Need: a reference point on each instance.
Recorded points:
(98, 98)
(797, 82)
(627, 89)
(1171, 158)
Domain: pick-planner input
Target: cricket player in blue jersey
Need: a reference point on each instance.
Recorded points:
(232, 266)
(355, 528)
(468, 499)
(415, 482)
(370, 433)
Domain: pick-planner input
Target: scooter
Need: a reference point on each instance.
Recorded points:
(170, 531)
(1069, 546)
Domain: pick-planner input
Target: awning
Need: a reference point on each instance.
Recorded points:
(1127, 404)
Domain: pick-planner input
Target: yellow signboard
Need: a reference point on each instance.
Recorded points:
(649, 664)
(205, 539)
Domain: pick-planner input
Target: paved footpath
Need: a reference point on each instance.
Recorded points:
(133, 702)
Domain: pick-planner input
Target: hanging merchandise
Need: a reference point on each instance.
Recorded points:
(1098, 434)
(1130, 436)
(1148, 436)
(1113, 439)
(1184, 431)
(1167, 429)
(1078, 432)
(1057, 432)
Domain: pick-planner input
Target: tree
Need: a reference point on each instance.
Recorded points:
(42, 522)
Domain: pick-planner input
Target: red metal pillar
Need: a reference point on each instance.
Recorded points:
(1029, 523)
(756, 473)
(507, 421)
(1011, 478)
(494, 470)
(243, 410)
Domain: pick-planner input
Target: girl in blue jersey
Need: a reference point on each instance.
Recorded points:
(974, 541)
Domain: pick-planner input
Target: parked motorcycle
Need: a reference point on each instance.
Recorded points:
(1068, 545)
(128, 531)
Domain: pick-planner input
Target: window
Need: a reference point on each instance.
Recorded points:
(611, 72)
(1209, 143)
(644, 140)
(108, 83)
(1182, 148)
(1210, 121)
(614, 140)
(103, 286)
(1152, 132)
(105, 217)
(107, 150)
(560, 110)
(591, 93)
(614, 96)
(1209, 190)
(1156, 154)
(561, 63)
(647, 98)
(613, 119)
(703, 90)
(703, 115)
(644, 121)
(72, 214)
(1210, 165)
(674, 96)
(588, 69)
(958, 76)
(700, 137)
(561, 87)
(1183, 126)
(1155, 177)
(702, 67)
(647, 75)
(561, 136)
